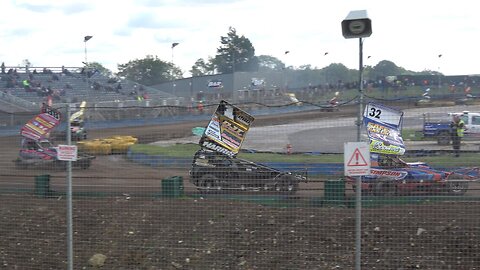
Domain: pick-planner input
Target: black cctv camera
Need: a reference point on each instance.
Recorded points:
(357, 25)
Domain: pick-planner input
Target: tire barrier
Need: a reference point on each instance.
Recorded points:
(107, 146)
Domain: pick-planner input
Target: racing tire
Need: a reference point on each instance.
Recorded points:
(443, 138)
(20, 165)
(385, 189)
(455, 186)
(208, 183)
(286, 184)
(85, 164)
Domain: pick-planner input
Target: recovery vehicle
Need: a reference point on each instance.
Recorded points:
(440, 129)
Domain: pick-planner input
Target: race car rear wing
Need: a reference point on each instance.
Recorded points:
(227, 129)
(42, 124)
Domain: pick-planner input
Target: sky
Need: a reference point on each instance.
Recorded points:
(410, 33)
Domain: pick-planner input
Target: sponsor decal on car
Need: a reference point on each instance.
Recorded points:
(227, 128)
(380, 147)
(394, 175)
(218, 148)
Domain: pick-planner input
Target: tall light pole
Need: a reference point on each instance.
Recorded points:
(325, 71)
(439, 76)
(234, 91)
(284, 74)
(174, 44)
(365, 66)
(85, 39)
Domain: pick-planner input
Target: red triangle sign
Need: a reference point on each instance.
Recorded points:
(357, 159)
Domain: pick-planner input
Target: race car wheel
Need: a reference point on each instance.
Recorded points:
(208, 183)
(286, 184)
(85, 164)
(384, 188)
(455, 185)
(21, 165)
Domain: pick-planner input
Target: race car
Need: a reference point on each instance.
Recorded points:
(214, 171)
(390, 175)
(37, 151)
(42, 154)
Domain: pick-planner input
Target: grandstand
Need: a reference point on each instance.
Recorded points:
(24, 89)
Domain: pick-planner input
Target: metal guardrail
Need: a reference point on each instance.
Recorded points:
(7, 97)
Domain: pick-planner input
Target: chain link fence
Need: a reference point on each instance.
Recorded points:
(144, 195)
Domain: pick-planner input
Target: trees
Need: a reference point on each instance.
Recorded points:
(149, 71)
(99, 68)
(236, 53)
(201, 68)
(269, 63)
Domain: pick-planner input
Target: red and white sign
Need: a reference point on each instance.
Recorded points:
(67, 152)
(356, 158)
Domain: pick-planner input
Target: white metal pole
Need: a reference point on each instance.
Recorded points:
(69, 198)
(358, 181)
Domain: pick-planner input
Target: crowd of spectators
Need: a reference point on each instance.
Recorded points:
(57, 85)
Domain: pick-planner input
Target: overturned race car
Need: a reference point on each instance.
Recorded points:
(214, 171)
(216, 167)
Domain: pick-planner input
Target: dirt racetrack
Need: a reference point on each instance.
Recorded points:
(114, 172)
(144, 232)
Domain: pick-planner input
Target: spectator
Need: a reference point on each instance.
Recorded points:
(458, 129)
(3, 68)
(26, 85)
(200, 107)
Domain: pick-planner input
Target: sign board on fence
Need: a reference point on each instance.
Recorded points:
(356, 158)
(67, 152)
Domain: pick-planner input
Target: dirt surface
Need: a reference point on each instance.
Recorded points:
(210, 233)
(134, 229)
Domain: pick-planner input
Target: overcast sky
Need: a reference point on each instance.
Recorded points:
(412, 34)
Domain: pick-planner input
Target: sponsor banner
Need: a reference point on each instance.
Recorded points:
(227, 128)
(394, 175)
(41, 125)
(257, 84)
(216, 84)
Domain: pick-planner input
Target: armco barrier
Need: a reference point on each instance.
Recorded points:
(335, 169)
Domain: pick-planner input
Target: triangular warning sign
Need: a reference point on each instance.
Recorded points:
(357, 159)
